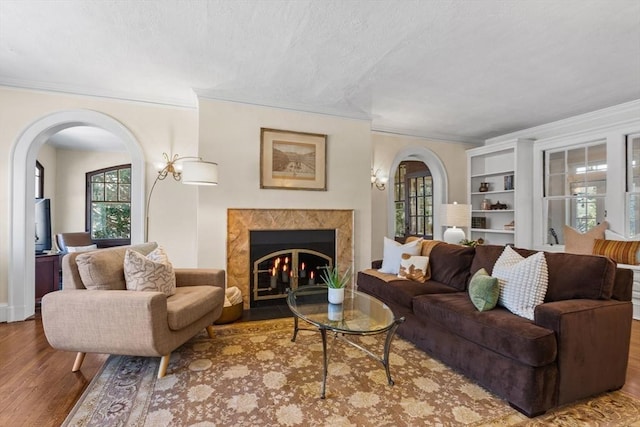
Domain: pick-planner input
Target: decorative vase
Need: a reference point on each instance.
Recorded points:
(485, 205)
(336, 295)
(484, 187)
(334, 312)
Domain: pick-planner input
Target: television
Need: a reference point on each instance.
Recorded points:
(43, 226)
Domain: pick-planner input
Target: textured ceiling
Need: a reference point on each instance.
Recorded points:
(462, 70)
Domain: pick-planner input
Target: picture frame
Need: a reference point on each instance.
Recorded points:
(291, 160)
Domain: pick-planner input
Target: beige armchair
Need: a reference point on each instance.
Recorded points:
(85, 318)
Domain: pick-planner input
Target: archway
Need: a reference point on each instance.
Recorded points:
(440, 185)
(23, 157)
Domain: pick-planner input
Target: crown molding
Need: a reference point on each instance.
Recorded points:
(421, 134)
(606, 117)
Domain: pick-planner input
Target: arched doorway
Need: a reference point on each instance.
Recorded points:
(440, 185)
(23, 157)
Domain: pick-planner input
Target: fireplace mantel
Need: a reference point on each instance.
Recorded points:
(241, 221)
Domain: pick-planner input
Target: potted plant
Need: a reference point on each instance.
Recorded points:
(336, 283)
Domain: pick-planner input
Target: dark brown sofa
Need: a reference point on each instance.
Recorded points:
(578, 345)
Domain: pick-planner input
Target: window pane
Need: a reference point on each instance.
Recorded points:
(111, 192)
(99, 177)
(412, 191)
(556, 162)
(111, 220)
(97, 192)
(428, 183)
(556, 219)
(556, 185)
(111, 176)
(125, 193)
(412, 229)
(420, 229)
(420, 186)
(634, 214)
(399, 219)
(125, 176)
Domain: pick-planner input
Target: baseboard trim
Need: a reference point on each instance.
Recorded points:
(4, 308)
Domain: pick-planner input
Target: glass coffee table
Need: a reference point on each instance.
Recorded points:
(359, 314)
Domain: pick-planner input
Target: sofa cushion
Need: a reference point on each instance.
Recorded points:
(576, 242)
(393, 251)
(399, 291)
(450, 264)
(571, 276)
(190, 303)
(104, 269)
(523, 281)
(622, 252)
(498, 330)
(484, 290)
(153, 272)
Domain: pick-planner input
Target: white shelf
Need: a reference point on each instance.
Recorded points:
(492, 211)
(475, 193)
(484, 175)
(492, 230)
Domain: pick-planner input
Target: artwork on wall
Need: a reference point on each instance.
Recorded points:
(293, 160)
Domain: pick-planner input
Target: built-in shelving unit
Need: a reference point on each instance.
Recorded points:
(506, 169)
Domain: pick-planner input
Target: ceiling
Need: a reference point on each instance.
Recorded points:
(459, 70)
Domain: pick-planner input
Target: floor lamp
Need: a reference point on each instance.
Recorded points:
(191, 170)
(454, 216)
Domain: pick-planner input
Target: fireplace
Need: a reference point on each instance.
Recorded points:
(240, 222)
(281, 260)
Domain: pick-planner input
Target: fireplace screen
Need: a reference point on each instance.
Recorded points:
(275, 273)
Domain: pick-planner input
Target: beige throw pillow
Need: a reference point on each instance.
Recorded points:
(153, 272)
(576, 242)
(414, 267)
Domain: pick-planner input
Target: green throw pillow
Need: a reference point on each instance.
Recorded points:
(484, 290)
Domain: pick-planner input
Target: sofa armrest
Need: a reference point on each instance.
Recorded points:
(593, 339)
(200, 277)
(115, 322)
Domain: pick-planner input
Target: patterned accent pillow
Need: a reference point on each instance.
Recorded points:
(152, 273)
(414, 267)
(576, 242)
(393, 252)
(523, 281)
(484, 290)
(619, 251)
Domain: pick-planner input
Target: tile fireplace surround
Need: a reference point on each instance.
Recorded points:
(241, 221)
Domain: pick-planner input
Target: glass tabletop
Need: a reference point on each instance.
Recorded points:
(359, 313)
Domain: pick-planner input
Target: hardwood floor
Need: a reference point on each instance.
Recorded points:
(37, 387)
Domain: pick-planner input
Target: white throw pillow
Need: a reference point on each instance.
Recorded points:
(393, 253)
(152, 273)
(72, 249)
(523, 281)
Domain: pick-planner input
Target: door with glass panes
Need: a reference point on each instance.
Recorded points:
(413, 201)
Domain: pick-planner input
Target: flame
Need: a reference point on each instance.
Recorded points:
(273, 271)
(286, 260)
(284, 268)
(311, 275)
(303, 266)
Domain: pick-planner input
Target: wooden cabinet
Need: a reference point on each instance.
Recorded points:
(47, 275)
(500, 177)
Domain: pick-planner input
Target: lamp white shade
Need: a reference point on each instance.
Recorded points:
(455, 215)
(199, 173)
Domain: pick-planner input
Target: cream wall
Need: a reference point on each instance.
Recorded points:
(70, 190)
(156, 128)
(385, 149)
(230, 135)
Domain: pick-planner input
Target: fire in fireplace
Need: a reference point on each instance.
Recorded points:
(286, 259)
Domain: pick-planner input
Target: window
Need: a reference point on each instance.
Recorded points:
(575, 188)
(633, 184)
(109, 205)
(39, 180)
(413, 200)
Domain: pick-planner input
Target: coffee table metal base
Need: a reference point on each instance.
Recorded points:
(342, 336)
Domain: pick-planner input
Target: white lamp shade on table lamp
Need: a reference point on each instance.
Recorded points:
(199, 173)
(454, 216)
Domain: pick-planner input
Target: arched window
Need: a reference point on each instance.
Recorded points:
(108, 216)
(413, 193)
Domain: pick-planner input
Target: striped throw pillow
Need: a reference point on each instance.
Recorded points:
(619, 251)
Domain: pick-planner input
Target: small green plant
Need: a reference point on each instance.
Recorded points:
(331, 277)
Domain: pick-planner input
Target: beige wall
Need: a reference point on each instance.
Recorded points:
(156, 128)
(230, 135)
(70, 193)
(386, 148)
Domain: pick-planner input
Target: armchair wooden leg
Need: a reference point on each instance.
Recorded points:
(211, 331)
(164, 363)
(78, 363)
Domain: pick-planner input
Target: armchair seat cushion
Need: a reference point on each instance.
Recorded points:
(190, 303)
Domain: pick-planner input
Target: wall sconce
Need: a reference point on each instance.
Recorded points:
(454, 216)
(191, 170)
(378, 179)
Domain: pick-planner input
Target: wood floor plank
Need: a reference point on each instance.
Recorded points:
(37, 387)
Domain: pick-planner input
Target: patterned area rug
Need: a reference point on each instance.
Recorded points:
(251, 374)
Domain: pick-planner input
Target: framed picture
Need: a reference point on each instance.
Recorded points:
(293, 160)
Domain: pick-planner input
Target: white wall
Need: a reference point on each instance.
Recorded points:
(385, 149)
(230, 135)
(70, 191)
